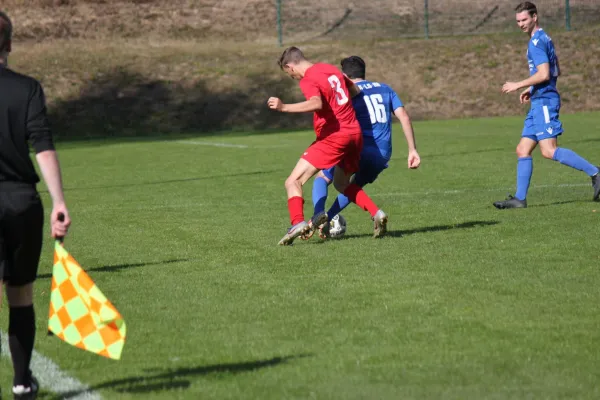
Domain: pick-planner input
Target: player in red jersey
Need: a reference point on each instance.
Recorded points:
(339, 140)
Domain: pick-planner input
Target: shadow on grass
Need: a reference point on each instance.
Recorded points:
(118, 267)
(558, 203)
(584, 140)
(464, 153)
(200, 178)
(177, 378)
(122, 103)
(435, 228)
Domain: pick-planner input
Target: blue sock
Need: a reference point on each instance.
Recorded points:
(524, 172)
(574, 160)
(319, 194)
(338, 205)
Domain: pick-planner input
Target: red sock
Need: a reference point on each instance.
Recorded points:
(296, 208)
(355, 194)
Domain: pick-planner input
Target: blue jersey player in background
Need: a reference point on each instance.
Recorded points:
(542, 124)
(374, 107)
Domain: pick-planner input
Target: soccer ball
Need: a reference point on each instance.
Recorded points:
(337, 226)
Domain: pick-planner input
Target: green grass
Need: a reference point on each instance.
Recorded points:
(461, 301)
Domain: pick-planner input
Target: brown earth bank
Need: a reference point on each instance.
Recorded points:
(159, 84)
(252, 20)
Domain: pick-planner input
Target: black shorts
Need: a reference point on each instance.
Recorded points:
(21, 230)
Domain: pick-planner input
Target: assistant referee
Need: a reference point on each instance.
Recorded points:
(23, 122)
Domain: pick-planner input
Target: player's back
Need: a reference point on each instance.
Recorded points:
(541, 50)
(337, 114)
(374, 107)
(17, 111)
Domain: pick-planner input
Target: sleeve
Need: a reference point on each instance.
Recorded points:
(38, 129)
(538, 53)
(396, 102)
(309, 89)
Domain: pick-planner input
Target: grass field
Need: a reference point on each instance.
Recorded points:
(461, 301)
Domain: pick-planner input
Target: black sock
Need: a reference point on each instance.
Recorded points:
(21, 335)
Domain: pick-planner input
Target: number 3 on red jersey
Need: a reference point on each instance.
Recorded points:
(336, 85)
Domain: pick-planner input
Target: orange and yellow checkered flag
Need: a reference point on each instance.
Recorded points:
(79, 313)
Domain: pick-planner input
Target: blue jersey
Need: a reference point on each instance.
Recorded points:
(541, 51)
(374, 107)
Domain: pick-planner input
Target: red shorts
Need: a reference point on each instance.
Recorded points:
(339, 149)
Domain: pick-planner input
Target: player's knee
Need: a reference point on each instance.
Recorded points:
(340, 186)
(323, 176)
(20, 296)
(288, 183)
(548, 152)
(523, 152)
(292, 182)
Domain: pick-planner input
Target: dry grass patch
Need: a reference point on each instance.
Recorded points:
(145, 86)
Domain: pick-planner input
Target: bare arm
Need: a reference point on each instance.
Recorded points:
(313, 104)
(542, 75)
(413, 156)
(50, 168)
(40, 138)
(48, 162)
(407, 127)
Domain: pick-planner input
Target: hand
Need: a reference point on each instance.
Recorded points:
(413, 159)
(59, 228)
(510, 87)
(275, 103)
(525, 96)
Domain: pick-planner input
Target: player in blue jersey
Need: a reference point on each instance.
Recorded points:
(374, 106)
(542, 124)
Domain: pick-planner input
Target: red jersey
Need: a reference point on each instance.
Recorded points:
(337, 114)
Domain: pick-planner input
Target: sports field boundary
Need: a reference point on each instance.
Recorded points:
(52, 378)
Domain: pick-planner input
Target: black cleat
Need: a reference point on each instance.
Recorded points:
(26, 392)
(596, 185)
(510, 202)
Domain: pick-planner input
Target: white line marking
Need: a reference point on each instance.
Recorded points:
(215, 144)
(52, 378)
(482, 190)
(237, 146)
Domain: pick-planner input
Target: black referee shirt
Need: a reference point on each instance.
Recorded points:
(22, 121)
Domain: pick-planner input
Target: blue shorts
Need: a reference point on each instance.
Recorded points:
(372, 163)
(542, 122)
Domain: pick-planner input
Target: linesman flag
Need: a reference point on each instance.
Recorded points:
(79, 313)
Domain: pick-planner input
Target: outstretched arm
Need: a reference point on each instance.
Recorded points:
(542, 75)
(313, 104)
(414, 160)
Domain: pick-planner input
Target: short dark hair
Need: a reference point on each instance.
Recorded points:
(290, 55)
(527, 6)
(5, 31)
(354, 67)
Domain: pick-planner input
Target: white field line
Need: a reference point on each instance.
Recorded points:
(52, 378)
(234, 145)
(214, 144)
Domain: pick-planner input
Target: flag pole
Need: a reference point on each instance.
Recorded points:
(59, 239)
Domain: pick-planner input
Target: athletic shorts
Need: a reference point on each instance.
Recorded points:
(341, 149)
(372, 163)
(21, 230)
(542, 122)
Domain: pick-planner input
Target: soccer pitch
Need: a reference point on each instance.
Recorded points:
(460, 301)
